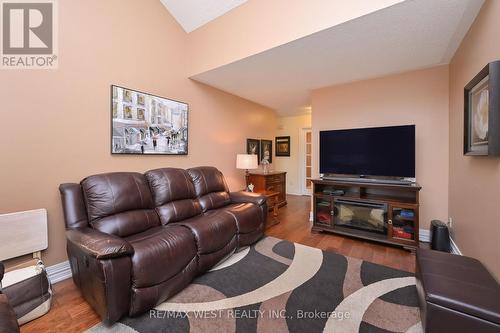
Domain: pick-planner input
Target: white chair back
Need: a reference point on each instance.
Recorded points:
(23, 233)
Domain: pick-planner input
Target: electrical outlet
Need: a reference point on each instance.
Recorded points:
(450, 222)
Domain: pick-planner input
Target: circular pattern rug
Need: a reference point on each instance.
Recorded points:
(279, 286)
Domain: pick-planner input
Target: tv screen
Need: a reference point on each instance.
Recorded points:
(377, 151)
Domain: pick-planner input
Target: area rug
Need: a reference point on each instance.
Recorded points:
(278, 286)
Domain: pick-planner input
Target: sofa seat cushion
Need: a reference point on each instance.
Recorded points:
(214, 200)
(247, 216)
(127, 223)
(459, 283)
(160, 253)
(212, 230)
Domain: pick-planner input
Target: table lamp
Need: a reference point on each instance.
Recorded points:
(246, 161)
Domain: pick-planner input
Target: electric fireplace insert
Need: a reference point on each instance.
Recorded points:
(364, 216)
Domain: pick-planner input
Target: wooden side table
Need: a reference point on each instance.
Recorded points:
(273, 201)
(273, 181)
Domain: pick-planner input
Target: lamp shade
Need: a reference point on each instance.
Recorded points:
(246, 161)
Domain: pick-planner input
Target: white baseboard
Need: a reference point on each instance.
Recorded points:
(59, 272)
(424, 235)
(311, 216)
(454, 247)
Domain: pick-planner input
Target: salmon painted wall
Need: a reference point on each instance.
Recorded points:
(474, 181)
(259, 25)
(418, 97)
(56, 123)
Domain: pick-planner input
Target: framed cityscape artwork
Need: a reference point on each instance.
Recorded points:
(146, 124)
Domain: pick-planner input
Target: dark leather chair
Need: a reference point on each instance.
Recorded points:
(135, 240)
(8, 319)
(456, 294)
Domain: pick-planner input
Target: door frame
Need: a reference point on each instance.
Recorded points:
(302, 160)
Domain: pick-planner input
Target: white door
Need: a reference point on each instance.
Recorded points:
(305, 150)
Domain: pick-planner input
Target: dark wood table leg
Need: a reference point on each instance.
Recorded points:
(274, 203)
(275, 208)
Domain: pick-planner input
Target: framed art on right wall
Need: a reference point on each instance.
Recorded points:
(282, 144)
(482, 112)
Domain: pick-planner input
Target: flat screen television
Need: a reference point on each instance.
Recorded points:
(378, 151)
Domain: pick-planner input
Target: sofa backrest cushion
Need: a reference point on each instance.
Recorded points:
(210, 186)
(119, 203)
(173, 194)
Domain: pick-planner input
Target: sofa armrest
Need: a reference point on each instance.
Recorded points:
(250, 197)
(98, 244)
(2, 271)
(75, 213)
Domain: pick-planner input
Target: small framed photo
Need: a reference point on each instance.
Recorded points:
(282, 145)
(482, 112)
(253, 148)
(266, 150)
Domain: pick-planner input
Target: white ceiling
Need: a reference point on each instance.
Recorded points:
(192, 14)
(411, 35)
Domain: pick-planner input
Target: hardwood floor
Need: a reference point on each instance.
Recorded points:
(70, 313)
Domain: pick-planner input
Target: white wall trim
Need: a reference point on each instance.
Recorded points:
(424, 235)
(59, 272)
(302, 160)
(454, 247)
(311, 216)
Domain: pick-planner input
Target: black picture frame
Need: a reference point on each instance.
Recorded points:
(140, 104)
(253, 148)
(266, 145)
(282, 146)
(482, 113)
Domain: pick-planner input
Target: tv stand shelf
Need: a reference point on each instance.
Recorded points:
(381, 212)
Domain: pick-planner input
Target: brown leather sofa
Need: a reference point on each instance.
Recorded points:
(8, 319)
(134, 240)
(456, 294)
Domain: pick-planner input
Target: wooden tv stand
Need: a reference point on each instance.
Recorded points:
(385, 213)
